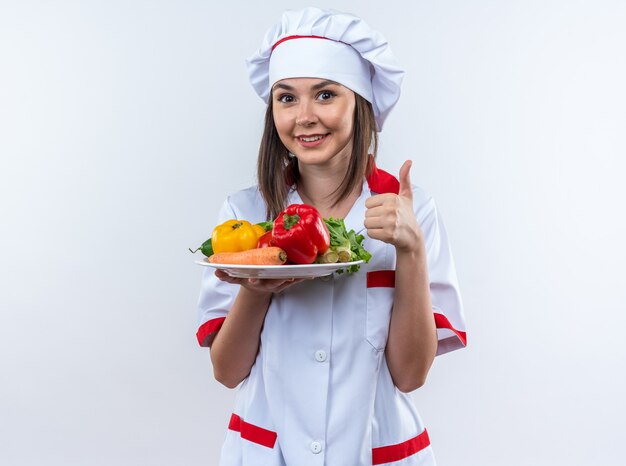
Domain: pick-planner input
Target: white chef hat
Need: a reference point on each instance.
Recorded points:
(327, 44)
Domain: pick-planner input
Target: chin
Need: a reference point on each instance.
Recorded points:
(313, 159)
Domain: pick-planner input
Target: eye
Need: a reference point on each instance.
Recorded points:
(326, 95)
(285, 98)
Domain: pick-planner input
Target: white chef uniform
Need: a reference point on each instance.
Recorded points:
(320, 392)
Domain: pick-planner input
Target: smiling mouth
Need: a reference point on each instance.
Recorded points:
(312, 138)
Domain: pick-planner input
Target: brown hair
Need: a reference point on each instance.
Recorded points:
(277, 171)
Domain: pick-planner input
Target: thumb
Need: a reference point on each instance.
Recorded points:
(405, 180)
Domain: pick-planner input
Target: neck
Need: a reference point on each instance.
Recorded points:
(319, 193)
(318, 184)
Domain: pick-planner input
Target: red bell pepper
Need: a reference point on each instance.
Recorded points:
(301, 232)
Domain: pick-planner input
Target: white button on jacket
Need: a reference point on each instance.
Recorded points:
(349, 401)
(316, 447)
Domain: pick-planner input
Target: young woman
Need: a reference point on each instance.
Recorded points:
(324, 366)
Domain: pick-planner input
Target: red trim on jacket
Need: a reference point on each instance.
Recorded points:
(252, 433)
(388, 454)
(387, 279)
(381, 279)
(207, 328)
(382, 182)
(442, 321)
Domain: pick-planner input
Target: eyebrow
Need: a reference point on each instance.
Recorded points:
(315, 87)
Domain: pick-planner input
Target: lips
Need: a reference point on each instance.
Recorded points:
(311, 140)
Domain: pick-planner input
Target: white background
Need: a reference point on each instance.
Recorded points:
(123, 124)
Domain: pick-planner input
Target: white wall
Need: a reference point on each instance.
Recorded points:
(123, 124)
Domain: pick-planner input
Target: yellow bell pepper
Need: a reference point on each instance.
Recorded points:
(236, 235)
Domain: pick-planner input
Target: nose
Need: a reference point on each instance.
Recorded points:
(306, 114)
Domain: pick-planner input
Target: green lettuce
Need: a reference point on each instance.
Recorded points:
(346, 245)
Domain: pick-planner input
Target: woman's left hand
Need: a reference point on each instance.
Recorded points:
(390, 217)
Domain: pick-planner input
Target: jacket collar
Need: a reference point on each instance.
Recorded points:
(381, 182)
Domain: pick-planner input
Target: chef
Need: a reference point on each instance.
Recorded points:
(324, 367)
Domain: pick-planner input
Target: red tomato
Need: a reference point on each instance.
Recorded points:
(266, 240)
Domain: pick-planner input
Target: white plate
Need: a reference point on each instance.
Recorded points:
(279, 271)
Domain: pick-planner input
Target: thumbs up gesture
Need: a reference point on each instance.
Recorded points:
(390, 217)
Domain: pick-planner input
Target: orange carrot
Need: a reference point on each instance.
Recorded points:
(257, 256)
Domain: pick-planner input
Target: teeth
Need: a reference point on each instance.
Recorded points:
(314, 138)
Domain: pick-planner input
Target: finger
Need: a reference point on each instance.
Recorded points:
(267, 283)
(378, 211)
(405, 180)
(288, 283)
(223, 276)
(375, 222)
(377, 199)
(380, 234)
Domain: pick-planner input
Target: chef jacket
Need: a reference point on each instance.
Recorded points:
(320, 392)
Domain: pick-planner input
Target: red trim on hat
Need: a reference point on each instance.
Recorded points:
(381, 279)
(296, 37)
(208, 328)
(382, 182)
(390, 453)
(252, 433)
(442, 321)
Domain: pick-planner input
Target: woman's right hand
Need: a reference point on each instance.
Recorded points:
(259, 285)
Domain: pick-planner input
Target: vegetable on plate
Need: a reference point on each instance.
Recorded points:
(299, 235)
(257, 256)
(302, 233)
(232, 236)
(236, 235)
(265, 240)
(345, 246)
